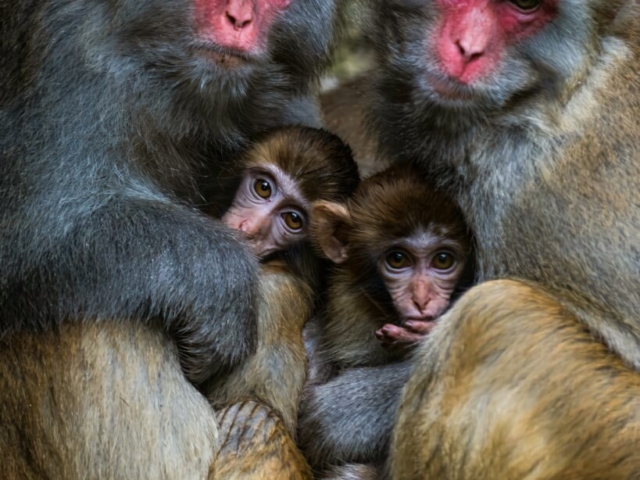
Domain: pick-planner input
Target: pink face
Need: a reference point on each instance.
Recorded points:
(237, 25)
(471, 35)
(421, 273)
(269, 210)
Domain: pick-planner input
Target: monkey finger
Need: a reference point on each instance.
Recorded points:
(420, 326)
(392, 333)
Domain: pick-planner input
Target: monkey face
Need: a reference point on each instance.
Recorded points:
(269, 210)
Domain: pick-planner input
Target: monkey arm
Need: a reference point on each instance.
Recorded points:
(143, 260)
(350, 418)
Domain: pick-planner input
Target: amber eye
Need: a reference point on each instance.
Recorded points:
(262, 187)
(443, 261)
(397, 260)
(526, 4)
(293, 220)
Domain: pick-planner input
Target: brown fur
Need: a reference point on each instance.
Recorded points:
(344, 112)
(276, 373)
(137, 416)
(493, 412)
(256, 446)
(319, 163)
(381, 212)
(109, 399)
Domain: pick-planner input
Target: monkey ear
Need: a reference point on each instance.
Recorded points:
(330, 225)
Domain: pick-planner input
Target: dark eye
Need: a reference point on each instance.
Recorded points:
(262, 188)
(443, 261)
(526, 4)
(398, 260)
(293, 220)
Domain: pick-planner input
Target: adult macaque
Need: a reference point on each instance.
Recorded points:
(526, 111)
(114, 117)
(400, 249)
(281, 176)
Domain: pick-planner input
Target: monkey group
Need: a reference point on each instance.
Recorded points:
(195, 282)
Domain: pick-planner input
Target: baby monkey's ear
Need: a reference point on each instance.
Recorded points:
(330, 226)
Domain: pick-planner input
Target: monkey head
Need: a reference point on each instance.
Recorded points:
(397, 228)
(281, 176)
(479, 56)
(221, 52)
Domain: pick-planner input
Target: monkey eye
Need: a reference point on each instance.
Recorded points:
(398, 260)
(443, 261)
(262, 188)
(293, 220)
(526, 5)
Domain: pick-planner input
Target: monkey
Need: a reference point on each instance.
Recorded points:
(280, 177)
(525, 111)
(115, 116)
(580, 423)
(401, 249)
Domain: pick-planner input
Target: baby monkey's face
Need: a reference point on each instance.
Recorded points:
(269, 210)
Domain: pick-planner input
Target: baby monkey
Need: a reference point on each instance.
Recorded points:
(279, 179)
(281, 176)
(401, 250)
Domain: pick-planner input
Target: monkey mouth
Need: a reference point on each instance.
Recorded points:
(225, 58)
(448, 89)
(426, 319)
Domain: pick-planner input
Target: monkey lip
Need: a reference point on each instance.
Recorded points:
(420, 319)
(225, 58)
(449, 89)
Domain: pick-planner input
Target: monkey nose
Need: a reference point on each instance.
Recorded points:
(239, 14)
(248, 228)
(470, 51)
(421, 304)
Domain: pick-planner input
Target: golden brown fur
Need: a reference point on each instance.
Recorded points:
(275, 374)
(489, 408)
(256, 446)
(104, 401)
(109, 400)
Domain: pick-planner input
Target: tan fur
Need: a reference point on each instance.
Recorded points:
(276, 373)
(256, 446)
(484, 402)
(105, 401)
(109, 400)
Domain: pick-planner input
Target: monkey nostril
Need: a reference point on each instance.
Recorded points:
(238, 23)
(469, 54)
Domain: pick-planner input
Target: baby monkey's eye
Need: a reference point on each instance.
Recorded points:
(526, 5)
(293, 220)
(398, 259)
(443, 261)
(262, 188)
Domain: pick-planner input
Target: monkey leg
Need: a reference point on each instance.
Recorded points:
(511, 386)
(105, 401)
(256, 446)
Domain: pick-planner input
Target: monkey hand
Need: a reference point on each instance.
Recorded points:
(412, 331)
